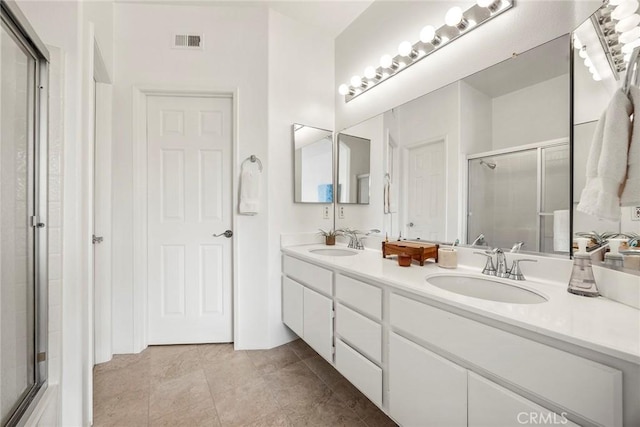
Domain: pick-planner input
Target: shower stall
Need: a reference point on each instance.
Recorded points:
(521, 194)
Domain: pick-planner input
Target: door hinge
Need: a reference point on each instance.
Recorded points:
(333, 349)
(97, 239)
(35, 222)
(41, 357)
(333, 314)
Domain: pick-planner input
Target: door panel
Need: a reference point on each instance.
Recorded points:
(189, 199)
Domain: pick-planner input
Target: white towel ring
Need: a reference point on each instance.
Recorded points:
(253, 159)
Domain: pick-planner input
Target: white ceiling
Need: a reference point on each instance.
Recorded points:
(330, 17)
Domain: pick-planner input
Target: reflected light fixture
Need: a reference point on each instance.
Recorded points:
(458, 22)
(628, 23)
(625, 9)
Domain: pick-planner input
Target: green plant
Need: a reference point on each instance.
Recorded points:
(330, 233)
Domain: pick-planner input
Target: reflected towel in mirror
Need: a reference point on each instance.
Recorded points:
(607, 162)
(631, 193)
(249, 192)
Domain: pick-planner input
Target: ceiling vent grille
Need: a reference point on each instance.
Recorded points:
(187, 41)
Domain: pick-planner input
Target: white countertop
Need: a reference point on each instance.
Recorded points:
(598, 324)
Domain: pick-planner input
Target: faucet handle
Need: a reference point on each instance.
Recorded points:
(488, 269)
(515, 272)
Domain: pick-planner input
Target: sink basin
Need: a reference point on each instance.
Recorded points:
(333, 252)
(487, 289)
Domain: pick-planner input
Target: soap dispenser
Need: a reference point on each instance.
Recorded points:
(614, 257)
(582, 281)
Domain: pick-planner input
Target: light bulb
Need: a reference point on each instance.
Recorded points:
(627, 57)
(593, 70)
(406, 49)
(386, 61)
(583, 52)
(343, 89)
(629, 36)
(356, 81)
(625, 9)
(371, 73)
(615, 2)
(485, 3)
(576, 42)
(596, 77)
(628, 23)
(587, 63)
(453, 17)
(628, 48)
(428, 34)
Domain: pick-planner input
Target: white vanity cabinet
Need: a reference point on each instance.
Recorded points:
(305, 309)
(424, 388)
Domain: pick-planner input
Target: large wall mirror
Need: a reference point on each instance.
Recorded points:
(485, 156)
(596, 78)
(313, 164)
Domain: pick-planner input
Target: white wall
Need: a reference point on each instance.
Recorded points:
(300, 64)
(384, 25)
(533, 114)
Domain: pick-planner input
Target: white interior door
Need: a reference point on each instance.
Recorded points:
(189, 199)
(426, 200)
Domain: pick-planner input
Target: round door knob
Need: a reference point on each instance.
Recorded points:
(228, 234)
(410, 224)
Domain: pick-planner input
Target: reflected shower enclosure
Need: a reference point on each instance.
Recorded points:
(521, 195)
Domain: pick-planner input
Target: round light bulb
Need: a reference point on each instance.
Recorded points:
(628, 23)
(485, 3)
(405, 48)
(625, 9)
(356, 81)
(629, 36)
(615, 2)
(386, 61)
(454, 16)
(370, 73)
(596, 77)
(343, 89)
(428, 34)
(587, 63)
(576, 42)
(583, 52)
(628, 48)
(627, 57)
(593, 70)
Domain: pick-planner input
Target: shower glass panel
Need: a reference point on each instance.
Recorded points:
(521, 196)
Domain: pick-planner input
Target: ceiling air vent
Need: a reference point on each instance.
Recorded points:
(187, 41)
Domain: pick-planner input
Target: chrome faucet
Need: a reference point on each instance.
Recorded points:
(500, 269)
(355, 241)
(479, 240)
(501, 264)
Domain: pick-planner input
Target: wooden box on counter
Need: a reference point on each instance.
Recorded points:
(418, 251)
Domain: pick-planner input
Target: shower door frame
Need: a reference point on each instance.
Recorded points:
(538, 146)
(16, 23)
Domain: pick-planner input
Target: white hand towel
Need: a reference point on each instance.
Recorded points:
(607, 163)
(249, 192)
(631, 193)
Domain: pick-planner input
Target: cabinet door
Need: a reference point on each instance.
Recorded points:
(318, 323)
(292, 305)
(492, 405)
(424, 388)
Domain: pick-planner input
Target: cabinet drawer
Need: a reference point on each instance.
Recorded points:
(310, 275)
(318, 323)
(359, 295)
(491, 405)
(362, 333)
(363, 374)
(550, 373)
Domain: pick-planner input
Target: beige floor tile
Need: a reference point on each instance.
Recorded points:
(242, 405)
(191, 416)
(302, 349)
(353, 398)
(323, 370)
(113, 382)
(188, 391)
(379, 419)
(126, 409)
(230, 372)
(330, 413)
(169, 362)
(267, 361)
(212, 352)
(276, 419)
(120, 361)
(296, 387)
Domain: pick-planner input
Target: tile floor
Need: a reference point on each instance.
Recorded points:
(213, 385)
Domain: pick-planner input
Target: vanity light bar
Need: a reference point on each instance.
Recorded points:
(458, 23)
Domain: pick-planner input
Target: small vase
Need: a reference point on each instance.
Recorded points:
(330, 240)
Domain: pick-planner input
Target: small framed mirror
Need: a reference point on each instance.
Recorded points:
(313, 164)
(354, 169)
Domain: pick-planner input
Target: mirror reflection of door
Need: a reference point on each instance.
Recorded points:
(313, 164)
(426, 199)
(354, 167)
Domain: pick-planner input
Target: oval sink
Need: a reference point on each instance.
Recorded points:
(333, 252)
(486, 289)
